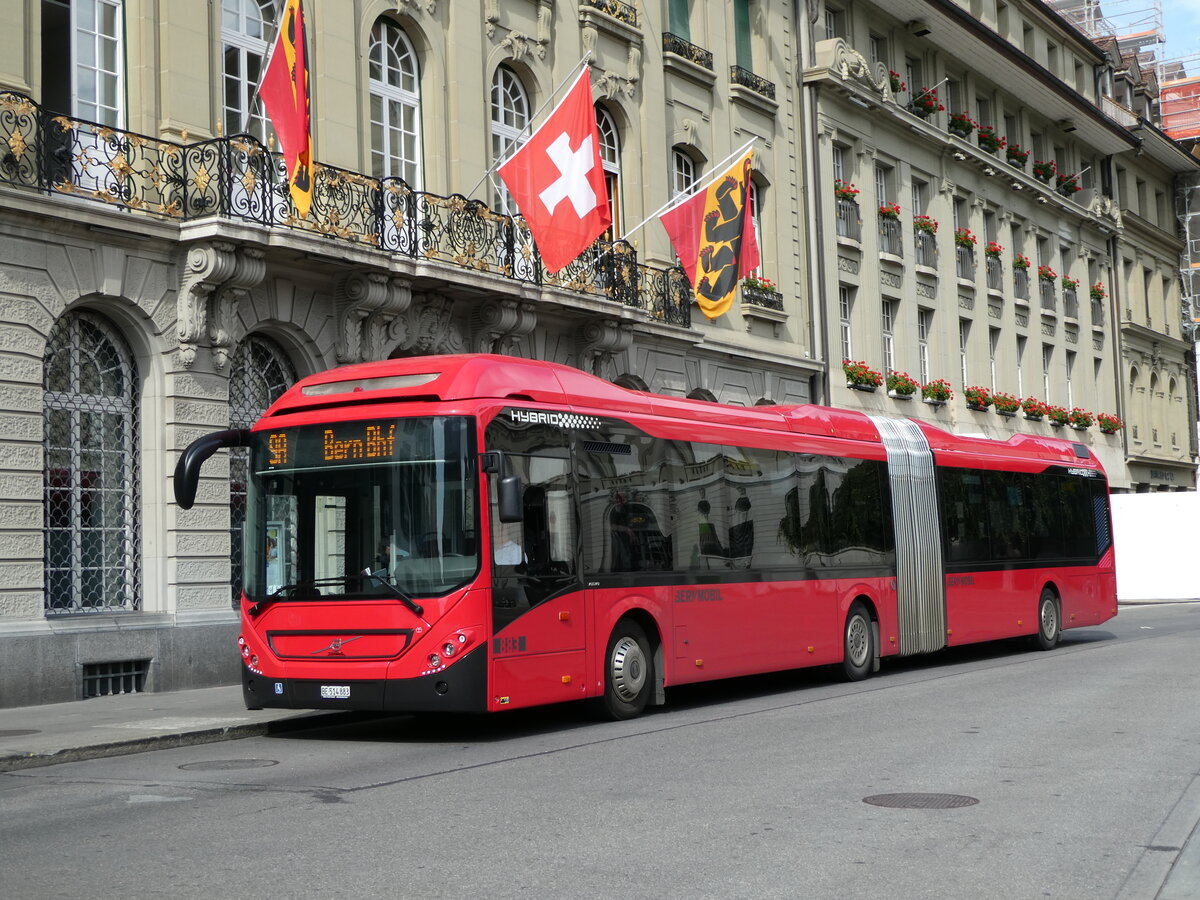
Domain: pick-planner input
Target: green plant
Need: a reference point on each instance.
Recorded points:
(1068, 184)
(961, 123)
(1046, 273)
(978, 397)
(993, 249)
(1058, 415)
(901, 383)
(1069, 283)
(964, 238)
(1020, 261)
(938, 390)
(1017, 156)
(754, 281)
(1080, 418)
(927, 224)
(926, 102)
(1005, 402)
(844, 190)
(1097, 291)
(1109, 424)
(889, 210)
(1044, 170)
(896, 84)
(989, 140)
(1034, 408)
(861, 373)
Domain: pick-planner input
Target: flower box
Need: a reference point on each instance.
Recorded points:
(1016, 156)
(901, 385)
(860, 376)
(978, 398)
(937, 392)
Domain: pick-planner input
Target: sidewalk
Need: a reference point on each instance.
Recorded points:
(132, 723)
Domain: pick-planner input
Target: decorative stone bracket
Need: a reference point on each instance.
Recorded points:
(369, 308)
(498, 325)
(217, 276)
(601, 339)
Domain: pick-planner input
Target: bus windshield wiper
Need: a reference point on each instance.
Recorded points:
(304, 590)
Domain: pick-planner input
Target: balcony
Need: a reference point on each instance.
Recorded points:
(236, 179)
(891, 239)
(1097, 314)
(622, 12)
(849, 225)
(926, 249)
(1070, 305)
(1021, 284)
(756, 83)
(697, 56)
(964, 263)
(995, 275)
(1049, 299)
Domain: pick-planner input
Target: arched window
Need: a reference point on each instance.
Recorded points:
(510, 118)
(684, 173)
(90, 480)
(258, 376)
(395, 105)
(247, 29)
(610, 156)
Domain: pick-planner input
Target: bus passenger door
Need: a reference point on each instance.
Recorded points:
(537, 603)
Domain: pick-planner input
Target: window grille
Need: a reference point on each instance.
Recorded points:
(259, 375)
(124, 677)
(90, 496)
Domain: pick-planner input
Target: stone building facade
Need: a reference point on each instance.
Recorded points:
(156, 283)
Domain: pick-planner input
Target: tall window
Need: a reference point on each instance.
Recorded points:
(258, 376)
(882, 184)
(510, 119)
(1070, 358)
(741, 34)
(889, 334)
(845, 306)
(610, 158)
(993, 350)
(83, 59)
(395, 105)
(247, 28)
(878, 48)
(839, 162)
(679, 19)
(1020, 365)
(683, 173)
(920, 196)
(924, 329)
(1047, 360)
(964, 333)
(92, 511)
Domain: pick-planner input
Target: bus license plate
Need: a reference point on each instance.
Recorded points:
(335, 692)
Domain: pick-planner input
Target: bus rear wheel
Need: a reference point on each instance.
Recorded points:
(628, 671)
(859, 643)
(1049, 620)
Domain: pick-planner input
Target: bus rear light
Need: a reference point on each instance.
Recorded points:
(448, 649)
(241, 641)
(254, 660)
(245, 651)
(434, 660)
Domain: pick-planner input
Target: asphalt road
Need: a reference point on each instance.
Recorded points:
(1084, 765)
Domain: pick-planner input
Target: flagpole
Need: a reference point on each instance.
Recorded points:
(587, 58)
(719, 168)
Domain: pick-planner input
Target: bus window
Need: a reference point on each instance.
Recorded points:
(964, 515)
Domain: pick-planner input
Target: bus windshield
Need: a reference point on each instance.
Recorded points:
(369, 508)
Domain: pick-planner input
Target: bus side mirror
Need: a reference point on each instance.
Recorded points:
(187, 470)
(510, 505)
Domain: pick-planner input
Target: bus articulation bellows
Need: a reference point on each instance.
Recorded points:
(477, 533)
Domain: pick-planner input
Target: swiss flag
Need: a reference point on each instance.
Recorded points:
(557, 179)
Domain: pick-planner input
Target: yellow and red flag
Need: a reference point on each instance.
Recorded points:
(284, 92)
(713, 235)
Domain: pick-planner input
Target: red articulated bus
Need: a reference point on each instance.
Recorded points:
(479, 533)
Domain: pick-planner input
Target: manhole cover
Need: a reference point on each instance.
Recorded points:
(18, 732)
(920, 801)
(226, 764)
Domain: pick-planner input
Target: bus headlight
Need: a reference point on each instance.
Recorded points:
(448, 650)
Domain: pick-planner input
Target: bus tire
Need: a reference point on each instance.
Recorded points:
(1049, 620)
(628, 671)
(858, 643)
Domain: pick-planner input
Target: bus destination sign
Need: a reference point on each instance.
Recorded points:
(347, 442)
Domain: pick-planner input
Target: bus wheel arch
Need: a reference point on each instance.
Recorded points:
(1049, 617)
(632, 664)
(860, 639)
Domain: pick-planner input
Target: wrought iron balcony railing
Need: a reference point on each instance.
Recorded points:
(625, 12)
(673, 43)
(1097, 313)
(1021, 283)
(995, 274)
(748, 79)
(964, 263)
(926, 245)
(237, 178)
(1047, 294)
(890, 237)
(848, 223)
(1070, 304)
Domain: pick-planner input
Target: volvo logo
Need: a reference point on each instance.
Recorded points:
(334, 647)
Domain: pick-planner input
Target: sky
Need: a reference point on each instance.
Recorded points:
(1181, 27)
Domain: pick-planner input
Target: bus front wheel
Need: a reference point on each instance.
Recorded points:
(859, 643)
(628, 671)
(1049, 620)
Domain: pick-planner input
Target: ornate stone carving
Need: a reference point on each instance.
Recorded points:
(518, 45)
(845, 264)
(415, 6)
(497, 325)
(491, 17)
(600, 339)
(209, 267)
(610, 84)
(367, 305)
(431, 327)
(545, 26)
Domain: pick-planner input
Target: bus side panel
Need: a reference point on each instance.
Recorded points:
(539, 658)
(991, 605)
(1088, 598)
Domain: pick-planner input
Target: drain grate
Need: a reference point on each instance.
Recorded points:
(222, 765)
(920, 801)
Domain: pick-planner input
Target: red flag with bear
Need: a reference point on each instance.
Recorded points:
(713, 235)
(284, 92)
